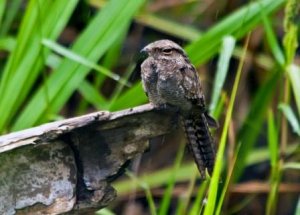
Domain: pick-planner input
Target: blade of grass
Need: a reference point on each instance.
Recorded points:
(197, 205)
(7, 44)
(242, 203)
(294, 77)
(92, 95)
(126, 99)
(168, 26)
(222, 69)
(105, 211)
(110, 23)
(185, 198)
(292, 165)
(180, 205)
(81, 60)
(220, 106)
(227, 183)
(272, 139)
(213, 186)
(290, 40)
(297, 211)
(109, 61)
(112, 56)
(162, 24)
(87, 90)
(272, 41)
(156, 179)
(291, 117)
(147, 190)
(119, 89)
(274, 160)
(163, 209)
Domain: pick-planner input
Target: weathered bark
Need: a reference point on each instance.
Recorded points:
(67, 166)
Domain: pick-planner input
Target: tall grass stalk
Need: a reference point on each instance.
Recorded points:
(275, 164)
(171, 182)
(214, 185)
(147, 190)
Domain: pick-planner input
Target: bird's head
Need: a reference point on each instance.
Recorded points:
(163, 49)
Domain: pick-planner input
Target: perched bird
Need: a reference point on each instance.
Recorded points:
(169, 79)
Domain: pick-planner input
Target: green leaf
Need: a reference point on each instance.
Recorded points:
(294, 77)
(93, 42)
(168, 26)
(7, 44)
(171, 183)
(147, 190)
(26, 61)
(156, 179)
(272, 139)
(92, 95)
(222, 69)
(275, 171)
(214, 185)
(292, 165)
(291, 117)
(132, 97)
(197, 204)
(290, 40)
(81, 60)
(272, 40)
(104, 211)
(297, 210)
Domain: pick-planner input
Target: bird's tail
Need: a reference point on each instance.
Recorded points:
(200, 141)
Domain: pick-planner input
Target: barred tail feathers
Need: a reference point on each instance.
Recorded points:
(200, 142)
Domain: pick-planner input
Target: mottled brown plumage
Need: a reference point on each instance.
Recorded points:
(170, 79)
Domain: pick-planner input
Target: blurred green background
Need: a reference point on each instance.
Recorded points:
(64, 58)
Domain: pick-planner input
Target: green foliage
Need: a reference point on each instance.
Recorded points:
(112, 21)
(26, 60)
(31, 95)
(259, 106)
(294, 77)
(171, 183)
(214, 185)
(291, 117)
(236, 25)
(222, 69)
(275, 171)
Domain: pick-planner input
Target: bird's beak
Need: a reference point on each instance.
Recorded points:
(139, 59)
(143, 54)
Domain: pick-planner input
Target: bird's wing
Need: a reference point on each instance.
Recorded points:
(192, 87)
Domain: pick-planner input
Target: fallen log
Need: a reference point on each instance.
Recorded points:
(67, 166)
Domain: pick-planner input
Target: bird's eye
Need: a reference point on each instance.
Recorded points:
(167, 51)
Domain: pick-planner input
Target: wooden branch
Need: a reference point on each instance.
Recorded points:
(67, 166)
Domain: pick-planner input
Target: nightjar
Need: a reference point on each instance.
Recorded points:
(169, 78)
